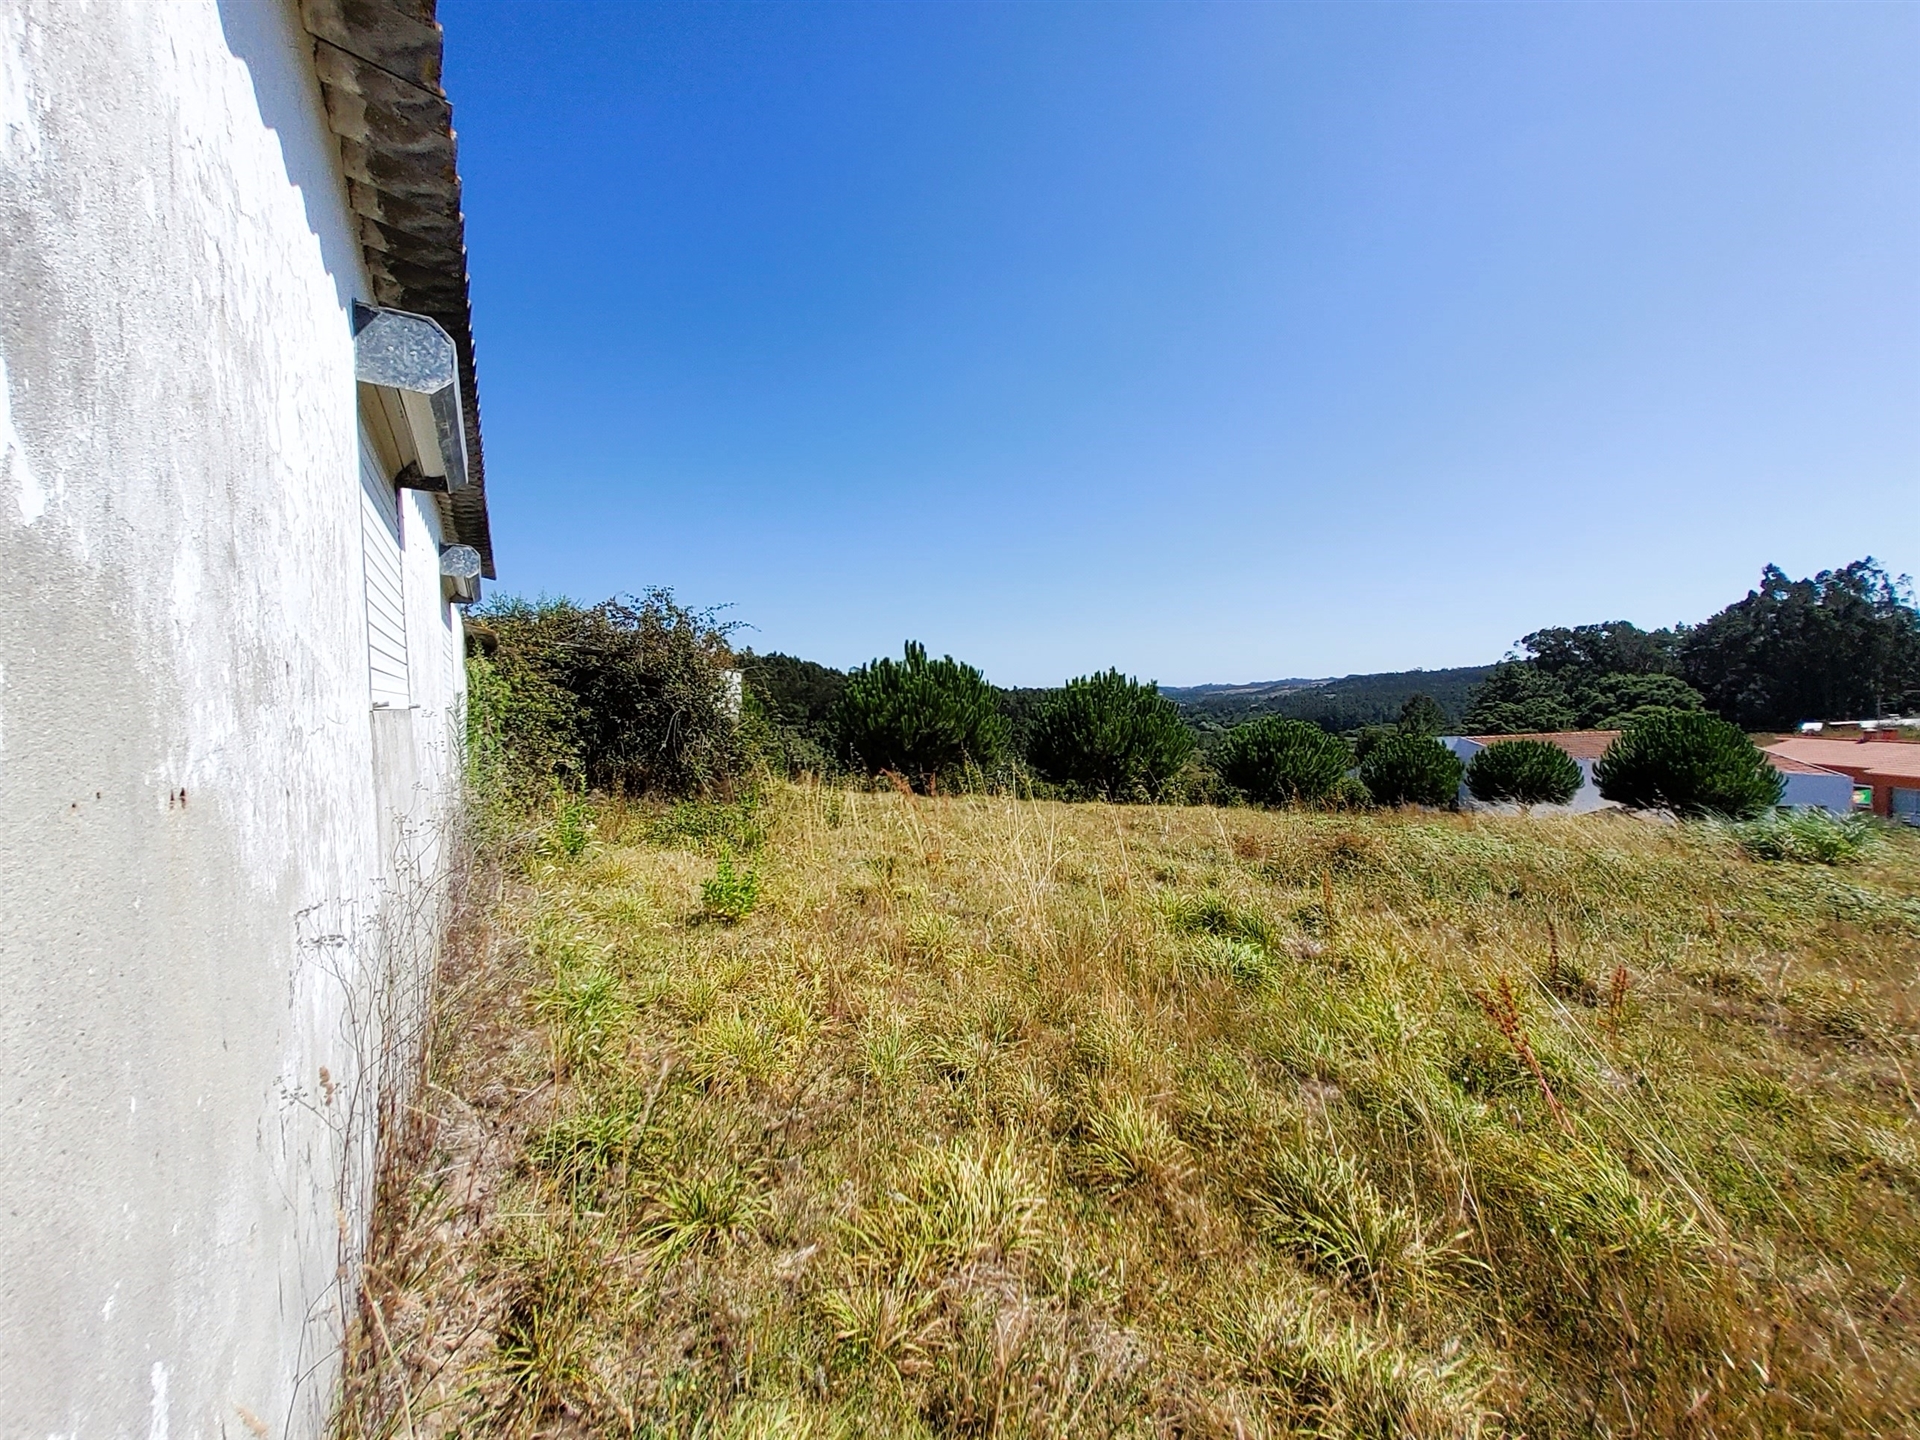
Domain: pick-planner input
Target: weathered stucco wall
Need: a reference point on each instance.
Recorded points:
(196, 909)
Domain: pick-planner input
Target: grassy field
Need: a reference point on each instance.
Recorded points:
(863, 1114)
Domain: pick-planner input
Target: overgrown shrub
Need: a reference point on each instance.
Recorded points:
(521, 736)
(1111, 736)
(1691, 764)
(629, 696)
(1411, 770)
(1350, 793)
(1809, 837)
(1199, 783)
(920, 718)
(1367, 736)
(1528, 772)
(1276, 761)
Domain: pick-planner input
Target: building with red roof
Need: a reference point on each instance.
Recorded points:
(1885, 772)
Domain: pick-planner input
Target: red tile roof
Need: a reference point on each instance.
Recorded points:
(1889, 762)
(1787, 765)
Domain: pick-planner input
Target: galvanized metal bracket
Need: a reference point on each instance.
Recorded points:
(412, 357)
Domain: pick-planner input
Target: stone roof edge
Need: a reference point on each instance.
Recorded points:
(379, 67)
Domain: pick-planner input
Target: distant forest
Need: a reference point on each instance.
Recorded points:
(1349, 703)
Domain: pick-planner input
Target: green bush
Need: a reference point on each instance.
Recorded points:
(1111, 736)
(1528, 772)
(1691, 764)
(1809, 837)
(922, 719)
(630, 697)
(1350, 793)
(1276, 761)
(521, 737)
(1412, 770)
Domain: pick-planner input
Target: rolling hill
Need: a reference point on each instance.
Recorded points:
(1340, 704)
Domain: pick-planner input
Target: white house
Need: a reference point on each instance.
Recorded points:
(1807, 786)
(241, 493)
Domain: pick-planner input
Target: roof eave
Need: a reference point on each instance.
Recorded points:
(379, 67)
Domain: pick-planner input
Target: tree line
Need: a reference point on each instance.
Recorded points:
(645, 696)
(1843, 645)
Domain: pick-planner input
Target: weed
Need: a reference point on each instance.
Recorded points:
(738, 1049)
(880, 1322)
(579, 1148)
(582, 1009)
(712, 828)
(890, 1054)
(1617, 986)
(570, 830)
(539, 1345)
(1809, 837)
(956, 1204)
(1127, 1143)
(1320, 1203)
(933, 937)
(1212, 913)
(1333, 1377)
(730, 894)
(1237, 960)
(1505, 1014)
(700, 1214)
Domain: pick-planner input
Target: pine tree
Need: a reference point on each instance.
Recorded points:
(922, 719)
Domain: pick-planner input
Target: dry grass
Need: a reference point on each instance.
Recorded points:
(993, 1118)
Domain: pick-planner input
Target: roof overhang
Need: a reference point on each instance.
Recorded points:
(379, 68)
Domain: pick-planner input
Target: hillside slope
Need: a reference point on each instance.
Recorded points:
(1343, 704)
(973, 1117)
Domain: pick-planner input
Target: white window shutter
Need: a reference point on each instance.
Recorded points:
(380, 544)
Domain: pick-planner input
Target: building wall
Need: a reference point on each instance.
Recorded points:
(1817, 792)
(219, 869)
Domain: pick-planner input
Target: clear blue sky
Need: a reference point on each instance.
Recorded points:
(1215, 342)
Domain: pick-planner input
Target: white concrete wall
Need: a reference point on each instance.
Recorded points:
(199, 897)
